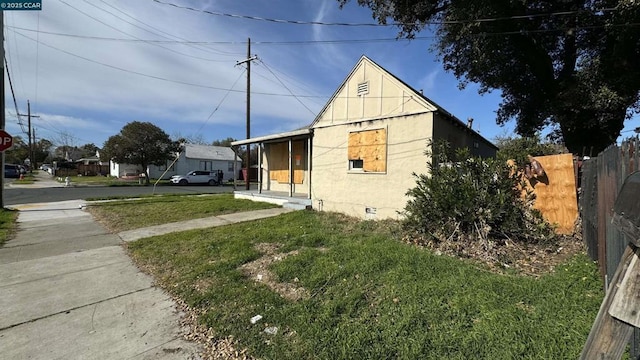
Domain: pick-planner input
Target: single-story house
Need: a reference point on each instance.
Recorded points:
(91, 166)
(192, 157)
(358, 155)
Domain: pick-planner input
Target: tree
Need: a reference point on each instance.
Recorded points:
(225, 142)
(520, 148)
(41, 150)
(65, 142)
(571, 64)
(18, 152)
(88, 150)
(140, 143)
(241, 151)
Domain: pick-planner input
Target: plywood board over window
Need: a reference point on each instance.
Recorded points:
(370, 146)
(279, 162)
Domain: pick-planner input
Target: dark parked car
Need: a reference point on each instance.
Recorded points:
(11, 171)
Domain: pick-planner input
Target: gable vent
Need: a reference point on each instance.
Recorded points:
(363, 88)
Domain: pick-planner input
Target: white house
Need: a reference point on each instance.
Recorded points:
(192, 157)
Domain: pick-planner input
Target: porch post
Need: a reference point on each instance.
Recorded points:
(290, 168)
(309, 168)
(235, 168)
(260, 168)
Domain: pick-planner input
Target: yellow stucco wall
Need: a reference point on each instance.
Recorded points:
(458, 136)
(386, 97)
(336, 188)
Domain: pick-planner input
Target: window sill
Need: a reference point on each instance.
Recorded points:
(366, 172)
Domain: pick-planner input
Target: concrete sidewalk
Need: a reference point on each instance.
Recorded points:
(69, 291)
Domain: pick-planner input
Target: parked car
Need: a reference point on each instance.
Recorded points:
(196, 177)
(11, 171)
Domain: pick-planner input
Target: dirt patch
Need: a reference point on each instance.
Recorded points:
(507, 255)
(258, 271)
(215, 348)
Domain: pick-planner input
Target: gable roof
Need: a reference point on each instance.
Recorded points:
(209, 152)
(430, 105)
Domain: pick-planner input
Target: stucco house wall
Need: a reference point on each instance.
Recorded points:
(459, 135)
(119, 170)
(363, 194)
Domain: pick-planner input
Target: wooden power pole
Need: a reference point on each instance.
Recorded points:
(248, 154)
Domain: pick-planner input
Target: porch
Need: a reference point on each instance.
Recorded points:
(284, 169)
(298, 201)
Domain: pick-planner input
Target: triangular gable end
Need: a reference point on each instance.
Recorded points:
(371, 92)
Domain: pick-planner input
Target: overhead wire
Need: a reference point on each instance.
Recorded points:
(286, 87)
(391, 24)
(12, 61)
(13, 95)
(221, 101)
(159, 77)
(135, 37)
(168, 36)
(37, 72)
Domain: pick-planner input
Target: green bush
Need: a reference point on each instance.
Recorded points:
(519, 148)
(473, 199)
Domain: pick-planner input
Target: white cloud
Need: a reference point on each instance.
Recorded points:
(93, 99)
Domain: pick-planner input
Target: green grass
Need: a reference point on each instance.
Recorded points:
(372, 296)
(149, 211)
(7, 224)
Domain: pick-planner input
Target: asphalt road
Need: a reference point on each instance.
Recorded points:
(13, 196)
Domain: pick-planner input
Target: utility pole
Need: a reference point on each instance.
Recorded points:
(32, 162)
(248, 154)
(2, 114)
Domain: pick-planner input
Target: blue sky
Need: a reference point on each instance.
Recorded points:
(89, 67)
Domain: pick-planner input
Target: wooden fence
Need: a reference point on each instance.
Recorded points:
(601, 180)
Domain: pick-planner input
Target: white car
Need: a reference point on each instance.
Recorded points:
(196, 177)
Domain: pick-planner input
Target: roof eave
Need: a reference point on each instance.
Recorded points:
(266, 138)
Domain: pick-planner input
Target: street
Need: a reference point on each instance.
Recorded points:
(25, 195)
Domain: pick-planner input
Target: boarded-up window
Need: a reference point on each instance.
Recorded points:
(279, 162)
(371, 147)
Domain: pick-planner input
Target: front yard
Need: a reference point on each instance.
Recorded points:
(318, 285)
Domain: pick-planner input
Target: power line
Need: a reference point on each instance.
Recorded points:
(160, 32)
(133, 36)
(444, 22)
(13, 94)
(127, 70)
(190, 42)
(221, 101)
(309, 42)
(285, 86)
(162, 78)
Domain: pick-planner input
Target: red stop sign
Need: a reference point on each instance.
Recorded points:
(5, 140)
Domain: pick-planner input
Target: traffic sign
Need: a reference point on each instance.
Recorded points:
(20, 5)
(6, 141)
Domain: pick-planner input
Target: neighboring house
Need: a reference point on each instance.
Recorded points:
(192, 157)
(365, 145)
(91, 166)
(123, 170)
